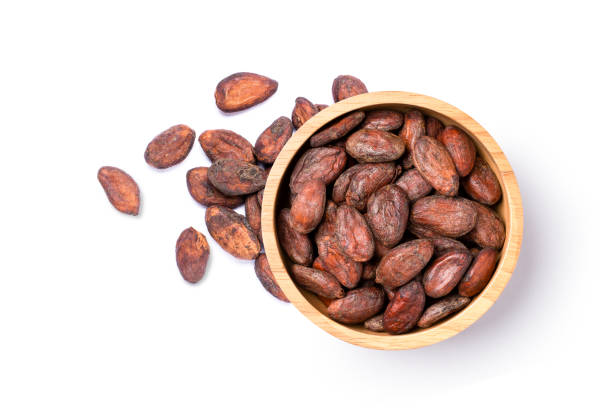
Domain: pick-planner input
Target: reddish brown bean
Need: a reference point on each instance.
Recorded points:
(121, 189)
(367, 180)
(337, 129)
(374, 146)
(413, 184)
(404, 262)
(460, 147)
(405, 308)
(170, 147)
(433, 127)
(413, 128)
(342, 183)
(386, 120)
(445, 272)
(357, 306)
(435, 165)
(321, 163)
(242, 90)
(302, 111)
(224, 144)
(308, 206)
(480, 272)
(192, 252)
(345, 86)
(265, 276)
(205, 193)
(448, 216)
(252, 211)
(489, 230)
(441, 309)
(232, 232)
(443, 245)
(387, 214)
(235, 177)
(481, 184)
(271, 141)
(317, 281)
(353, 234)
(297, 246)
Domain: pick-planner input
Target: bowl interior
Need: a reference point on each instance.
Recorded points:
(277, 197)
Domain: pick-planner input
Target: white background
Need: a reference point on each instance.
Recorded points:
(93, 311)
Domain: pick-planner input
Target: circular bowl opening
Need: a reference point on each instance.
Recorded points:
(509, 208)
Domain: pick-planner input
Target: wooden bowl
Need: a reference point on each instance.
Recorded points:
(509, 208)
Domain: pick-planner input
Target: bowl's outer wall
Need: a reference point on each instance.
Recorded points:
(509, 208)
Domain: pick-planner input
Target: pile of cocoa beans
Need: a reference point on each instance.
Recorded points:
(390, 221)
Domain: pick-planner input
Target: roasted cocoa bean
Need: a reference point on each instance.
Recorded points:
(489, 230)
(252, 211)
(242, 90)
(367, 180)
(170, 147)
(413, 184)
(387, 214)
(271, 141)
(460, 147)
(386, 120)
(321, 163)
(481, 184)
(224, 144)
(413, 128)
(357, 306)
(374, 146)
(192, 252)
(480, 272)
(353, 234)
(436, 165)
(232, 232)
(266, 277)
(308, 206)
(121, 189)
(405, 308)
(302, 111)
(317, 281)
(404, 262)
(448, 216)
(205, 193)
(445, 272)
(236, 177)
(297, 246)
(441, 309)
(443, 245)
(433, 127)
(337, 129)
(375, 323)
(345, 86)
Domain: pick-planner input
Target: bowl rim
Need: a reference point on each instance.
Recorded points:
(479, 304)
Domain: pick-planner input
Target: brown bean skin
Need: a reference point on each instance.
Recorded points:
(422, 232)
(192, 252)
(353, 234)
(480, 272)
(443, 245)
(386, 120)
(380, 250)
(357, 306)
(387, 214)
(170, 147)
(271, 141)
(448, 216)
(413, 184)
(232, 232)
(405, 308)
(265, 276)
(242, 90)
(413, 128)
(489, 230)
(460, 147)
(342, 183)
(205, 193)
(252, 211)
(481, 184)
(436, 165)
(224, 144)
(374, 146)
(345, 86)
(302, 111)
(367, 180)
(406, 161)
(404, 262)
(337, 129)
(308, 207)
(297, 246)
(121, 189)
(433, 127)
(369, 270)
(445, 272)
(322, 163)
(235, 177)
(441, 309)
(317, 281)
(375, 323)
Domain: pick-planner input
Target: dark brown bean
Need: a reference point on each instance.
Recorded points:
(235, 177)
(345, 86)
(413, 184)
(321, 163)
(441, 309)
(357, 306)
(232, 232)
(413, 128)
(121, 189)
(317, 281)
(448, 216)
(387, 214)
(271, 141)
(205, 193)
(297, 246)
(489, 230)
(386, 120)
(480, 272)
(192, 252)
(445, 272)
(242, 90)
(170, 147)
(460, 147)
(405, 308)
(308, 207)
(353, 234)
(481, 184)
(337, 129)
(224, 144)
(404, 262)
(302, 111)
(266, 277)
(436, 165)
(374, 146)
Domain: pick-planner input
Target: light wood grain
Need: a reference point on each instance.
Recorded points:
(510, 209)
